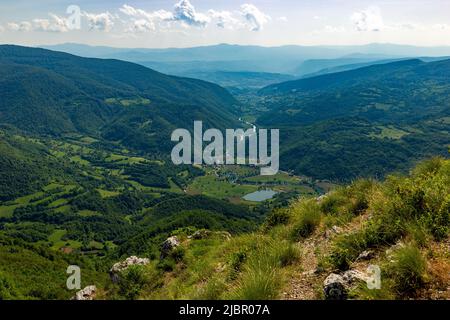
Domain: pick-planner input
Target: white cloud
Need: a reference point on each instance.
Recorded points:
(369, 19)
(55, 24)
(185, 12)
(141, 25)
(102, 21)
(224, 19)
(143, 21)
(23, 26)
(2, 29)
(283, 19)
(255, 18)
(150, 16)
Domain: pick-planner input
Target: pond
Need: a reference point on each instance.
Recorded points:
(259, 196)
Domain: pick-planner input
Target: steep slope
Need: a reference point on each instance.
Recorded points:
(400, 225)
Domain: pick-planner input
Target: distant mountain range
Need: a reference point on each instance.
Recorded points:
(298, 61)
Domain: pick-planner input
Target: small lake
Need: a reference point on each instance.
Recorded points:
(259, 196)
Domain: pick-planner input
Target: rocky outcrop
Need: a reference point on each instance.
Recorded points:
(87, 293)
(353, 277)
(204, 234)
(336, 286)
(200, 234)
(118, 267)
(168, 246)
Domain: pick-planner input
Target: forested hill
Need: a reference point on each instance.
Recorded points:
(365, 122)
(398, 91)
(48, 92)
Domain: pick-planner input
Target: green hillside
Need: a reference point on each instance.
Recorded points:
(46, 92)
(365, 122)
(401, 224)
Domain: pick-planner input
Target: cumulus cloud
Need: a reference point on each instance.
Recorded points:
(141, 25)
(55, 24)
(254, 17)
(142, 14)
(143, 21)
(102, 21)
(369, 19)
(185, 12)
(223, 19)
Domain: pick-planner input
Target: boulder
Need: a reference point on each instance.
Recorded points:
(87, 293)
(118, 267)
(168, 245)
(337, 286)
(334, 287)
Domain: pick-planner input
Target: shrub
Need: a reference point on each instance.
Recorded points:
(308, 220)
(407, 270)
(358, 192)
(236, 263)
(212, 290)
(261, 279)
(132, 281)
(7, 288)
(166, 264)
(439, 222)
(429, 167)
(346, 249)
(332, 203)
(277, 217)
(259, 284)
(417, 233)
(178, 254)
(288, 253)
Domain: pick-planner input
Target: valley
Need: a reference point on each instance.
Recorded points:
(86, 178)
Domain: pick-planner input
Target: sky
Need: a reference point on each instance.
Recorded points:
(188, 23)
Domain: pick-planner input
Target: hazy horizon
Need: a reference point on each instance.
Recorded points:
(193, 23)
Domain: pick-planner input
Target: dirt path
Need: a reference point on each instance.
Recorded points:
(306, 283)
(302, 283)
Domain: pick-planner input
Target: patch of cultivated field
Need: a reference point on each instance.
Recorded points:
(57, 242)
(212, 186)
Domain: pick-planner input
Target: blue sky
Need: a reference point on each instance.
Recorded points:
(185, 23)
